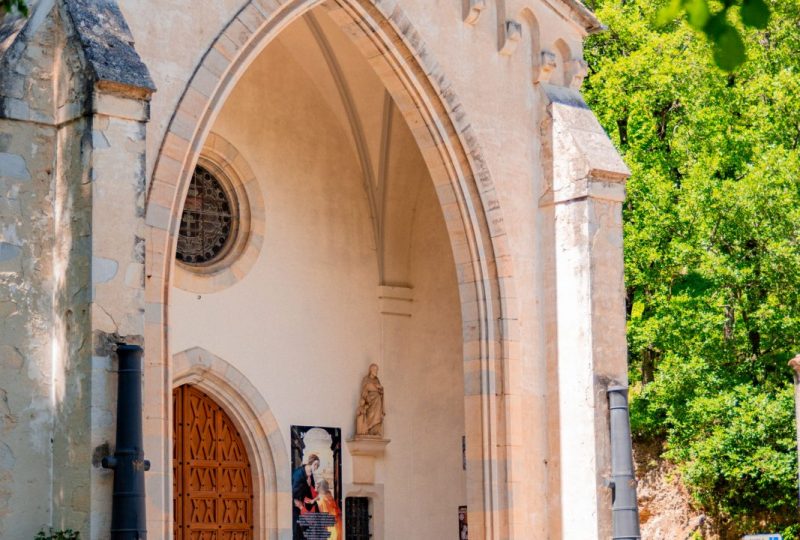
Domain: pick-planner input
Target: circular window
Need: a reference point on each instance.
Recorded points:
(222, 226)
(209, 222)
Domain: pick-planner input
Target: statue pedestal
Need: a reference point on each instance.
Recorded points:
(364, 450)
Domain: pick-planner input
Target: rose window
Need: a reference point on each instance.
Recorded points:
(208, 223)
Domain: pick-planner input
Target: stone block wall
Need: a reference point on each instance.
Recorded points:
(71, 264)
(26, 311)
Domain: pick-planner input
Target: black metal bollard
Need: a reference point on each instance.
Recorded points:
(624, 506)
(128, 505)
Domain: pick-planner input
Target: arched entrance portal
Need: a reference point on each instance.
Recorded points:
(455, 175)
(212, 479)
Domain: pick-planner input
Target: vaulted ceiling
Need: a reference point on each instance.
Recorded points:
(391, 164)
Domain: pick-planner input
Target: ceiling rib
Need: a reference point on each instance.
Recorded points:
(356, 127)
(383, 175)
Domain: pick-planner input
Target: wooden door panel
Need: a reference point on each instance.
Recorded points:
(212, 480)
(234, 535)
(234, 480)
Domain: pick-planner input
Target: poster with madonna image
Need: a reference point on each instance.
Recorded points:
(462, 523)
(316, 483)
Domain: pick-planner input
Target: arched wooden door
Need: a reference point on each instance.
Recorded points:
(212, 480)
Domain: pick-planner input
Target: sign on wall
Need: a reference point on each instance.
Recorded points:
(316, 483)
(462, 523)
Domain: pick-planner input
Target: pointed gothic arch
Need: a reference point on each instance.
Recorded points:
(256, 424)
(467, 198)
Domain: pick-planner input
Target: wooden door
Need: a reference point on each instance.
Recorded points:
(212, 480)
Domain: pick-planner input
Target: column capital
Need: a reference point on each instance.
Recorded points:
(395, 300)
(580, 160)
(133, 107)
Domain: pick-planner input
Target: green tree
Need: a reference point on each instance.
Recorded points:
(714, 19)
(712, 254)
(12, 6)
(67, 534)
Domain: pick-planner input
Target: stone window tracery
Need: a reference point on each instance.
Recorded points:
(209, 222)
(222, 225)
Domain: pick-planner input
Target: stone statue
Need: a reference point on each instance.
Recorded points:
(369, 417)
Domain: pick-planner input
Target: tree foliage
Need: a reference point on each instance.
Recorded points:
(66, 534)
(14, 6)
(715, 21)
(712, 255)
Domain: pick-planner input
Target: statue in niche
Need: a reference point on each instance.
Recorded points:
(369, 417)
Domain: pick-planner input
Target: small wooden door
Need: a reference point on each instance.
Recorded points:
(212, 481)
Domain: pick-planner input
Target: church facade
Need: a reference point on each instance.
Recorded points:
(387, 229)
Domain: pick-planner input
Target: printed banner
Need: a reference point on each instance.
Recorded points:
(462, 523)
(316, 483)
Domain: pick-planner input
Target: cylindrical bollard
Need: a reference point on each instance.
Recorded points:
(794, 363)
(624, 507)
(128, 504)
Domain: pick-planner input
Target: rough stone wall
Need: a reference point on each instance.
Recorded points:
(71, 265)
(71, 253)
(28, 283)
(100, 258)
(99, 267)
(71, 257)
(26, 311)
(117, 272)
(27, 70)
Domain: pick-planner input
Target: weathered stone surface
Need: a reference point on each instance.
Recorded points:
(584, 188)
(9, 252)
(26, 270)
(94, 48)
(103, 270)
(10, 26)
(13, 166)
(28, 69)
(60, 398)
(108, 44)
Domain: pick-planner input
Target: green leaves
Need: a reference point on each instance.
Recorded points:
(66, 534)
(712, 241)
(728, 48)
(15, 6)
(697, 12)
(728, 45)
(755, 13)
(745, 458)
(669, 13)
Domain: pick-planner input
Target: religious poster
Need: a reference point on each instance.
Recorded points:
(462, 523)
(316, 483)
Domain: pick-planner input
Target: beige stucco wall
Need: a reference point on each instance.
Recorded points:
(305, 322)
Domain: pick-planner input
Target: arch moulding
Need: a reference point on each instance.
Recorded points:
(220, 156)
(468, 201)
(253, 418)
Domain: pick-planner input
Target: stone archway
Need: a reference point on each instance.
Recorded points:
(258, 428)
(466, 195)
